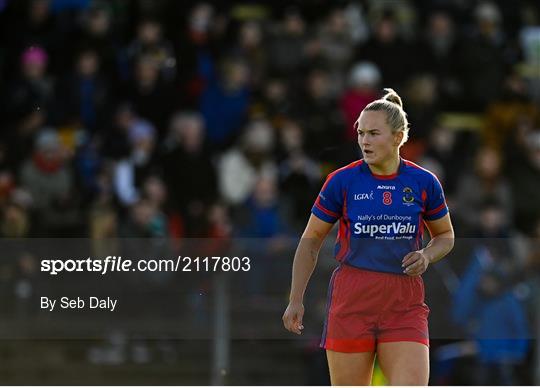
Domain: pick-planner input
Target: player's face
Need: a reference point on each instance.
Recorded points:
(376, 140)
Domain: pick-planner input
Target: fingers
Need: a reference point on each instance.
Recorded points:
(409, 258)
(295, 328)
(293, 322)
(416, 268)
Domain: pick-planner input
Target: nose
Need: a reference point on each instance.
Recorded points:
(363, 140)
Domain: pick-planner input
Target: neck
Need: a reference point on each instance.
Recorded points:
(386, 167)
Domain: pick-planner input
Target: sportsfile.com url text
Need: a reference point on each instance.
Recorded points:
(118, 264)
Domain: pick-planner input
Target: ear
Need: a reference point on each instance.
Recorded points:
(398, 137)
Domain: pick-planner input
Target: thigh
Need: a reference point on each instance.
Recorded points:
(404, 363)
(350, 368)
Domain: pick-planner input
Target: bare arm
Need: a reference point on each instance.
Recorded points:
(442, 239)
(304, 263)
(442, 242)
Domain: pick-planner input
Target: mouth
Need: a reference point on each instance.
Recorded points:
(368, 152)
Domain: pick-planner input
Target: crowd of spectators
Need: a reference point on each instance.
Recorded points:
(185, 119)
(156, 116)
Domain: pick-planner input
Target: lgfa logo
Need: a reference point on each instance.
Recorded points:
(363, 196)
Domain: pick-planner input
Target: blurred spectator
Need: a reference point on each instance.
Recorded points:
(19, 138)
(250, 47)
(287, 44)
(132, 169)
(224, 102)
(144, 221)
(299, 175)
(241, 167)
(196, 49)
(484, 183)
(188, 169)
(486, 305)
(441, 146)
(220, 222)
(33, 89)
(336, 40)
(364, 80)
(264, 219)
(97, 33)
(504, 114)
(38, 27)
(439, 50)
(15, 222)
(318, 114)
(524, 168)
(7, 185)
(84, 95)
(387, 50)
(48, 178)
(336, 47)
(422, 107)
(356, 22)
(88, 164)
(274, 101)
(529, 38)
(114, 140)
(151, 97)
(262, 214)
(26, 285)
(103, 218)
(155, 192)
(481, 60)
(151, 43)
(103, 229)
(532, 279)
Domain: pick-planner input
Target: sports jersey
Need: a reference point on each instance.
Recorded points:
(380, 216)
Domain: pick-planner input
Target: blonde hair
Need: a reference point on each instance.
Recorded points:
(396, 117)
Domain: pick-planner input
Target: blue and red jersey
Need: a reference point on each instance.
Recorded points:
(381, 217)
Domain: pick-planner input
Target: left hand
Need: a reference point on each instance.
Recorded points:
(415, 263)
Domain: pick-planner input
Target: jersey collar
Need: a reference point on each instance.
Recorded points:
(385, 177)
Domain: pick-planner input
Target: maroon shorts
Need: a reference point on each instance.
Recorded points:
(367, 307)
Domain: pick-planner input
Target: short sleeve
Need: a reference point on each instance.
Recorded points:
(329, 203)
(435, 202)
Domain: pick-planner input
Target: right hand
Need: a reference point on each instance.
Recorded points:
(292, 318)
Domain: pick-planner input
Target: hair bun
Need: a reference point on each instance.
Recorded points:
(393, 97)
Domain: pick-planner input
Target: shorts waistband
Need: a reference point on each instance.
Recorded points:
(374, 271)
